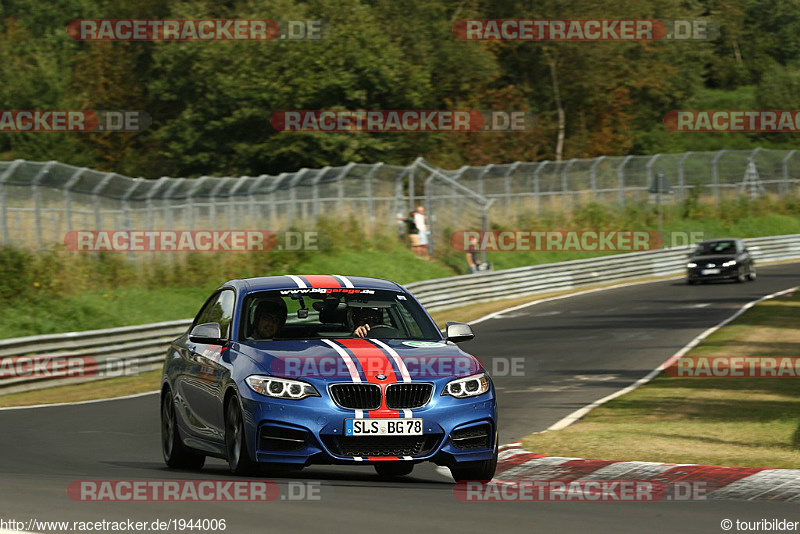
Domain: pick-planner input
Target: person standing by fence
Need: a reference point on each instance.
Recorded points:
(422, 228)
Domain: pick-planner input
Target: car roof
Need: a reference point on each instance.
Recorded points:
(299, 281)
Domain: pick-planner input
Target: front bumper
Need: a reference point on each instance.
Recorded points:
(311, 431)
(725, 273)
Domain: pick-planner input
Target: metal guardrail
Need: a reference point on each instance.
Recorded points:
(100, 353)
(447, 293)
(142, 347)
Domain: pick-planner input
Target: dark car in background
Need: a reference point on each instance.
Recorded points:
(720, 259)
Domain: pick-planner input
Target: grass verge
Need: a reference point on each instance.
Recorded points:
(93, 390)
(749, 422)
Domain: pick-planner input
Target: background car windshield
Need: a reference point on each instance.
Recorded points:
(390, 315)
(716, 247)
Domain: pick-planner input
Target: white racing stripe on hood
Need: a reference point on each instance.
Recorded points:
(348, 361)
(396, 357)
(298, 281)
(346, 281)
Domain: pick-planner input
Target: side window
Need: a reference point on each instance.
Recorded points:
(219, 310)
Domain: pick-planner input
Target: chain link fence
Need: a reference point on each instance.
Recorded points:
(41, 202)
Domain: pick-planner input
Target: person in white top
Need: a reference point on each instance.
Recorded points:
(422, 227)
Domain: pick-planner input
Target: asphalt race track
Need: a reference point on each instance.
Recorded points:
(576, 350)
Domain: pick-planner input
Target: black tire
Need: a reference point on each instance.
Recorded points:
(176, 455)
(394, 469)
(482, 471)
(239, 459)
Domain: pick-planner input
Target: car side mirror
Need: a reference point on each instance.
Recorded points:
(207, 334)
(458, 332)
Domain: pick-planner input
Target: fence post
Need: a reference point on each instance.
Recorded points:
(98, 221)
(231, 195)
(251, 197)
(715, 176)
(212, 197)
(485, 224)
(168, 202)
(340, 181)
(4, 202)
(785, 163)
(315, 190)
(190, 199)
(273, 204)
(682, 176)
(127, 221)
(151, 218)
(593, 176)
(508, 183)
(411, 175)
(536, 191)
(564, 183)
(480, 178)
(68, 196)
(658, 185)
(292, 194)
(621, 181)
(370, 199)
(37, 202)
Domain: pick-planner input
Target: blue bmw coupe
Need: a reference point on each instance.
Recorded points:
(287, 371)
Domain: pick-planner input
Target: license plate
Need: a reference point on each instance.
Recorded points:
(382, 427)
(710, 271)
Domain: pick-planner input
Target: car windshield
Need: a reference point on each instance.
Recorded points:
(390, 315)
(715, 247)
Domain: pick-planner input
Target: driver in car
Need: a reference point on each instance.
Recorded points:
(269, 318)
(363, 317)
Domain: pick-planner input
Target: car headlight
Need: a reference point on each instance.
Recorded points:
(281, 388)
(691, 265)
(729, 263)
(467, 387)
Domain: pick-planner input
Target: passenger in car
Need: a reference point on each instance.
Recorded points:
(269, 318)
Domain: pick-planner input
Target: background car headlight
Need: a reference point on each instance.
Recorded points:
(467, 387)
(729, 263)
(281, 388)
(691, 265)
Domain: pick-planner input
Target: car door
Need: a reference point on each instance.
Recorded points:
(199, 385)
